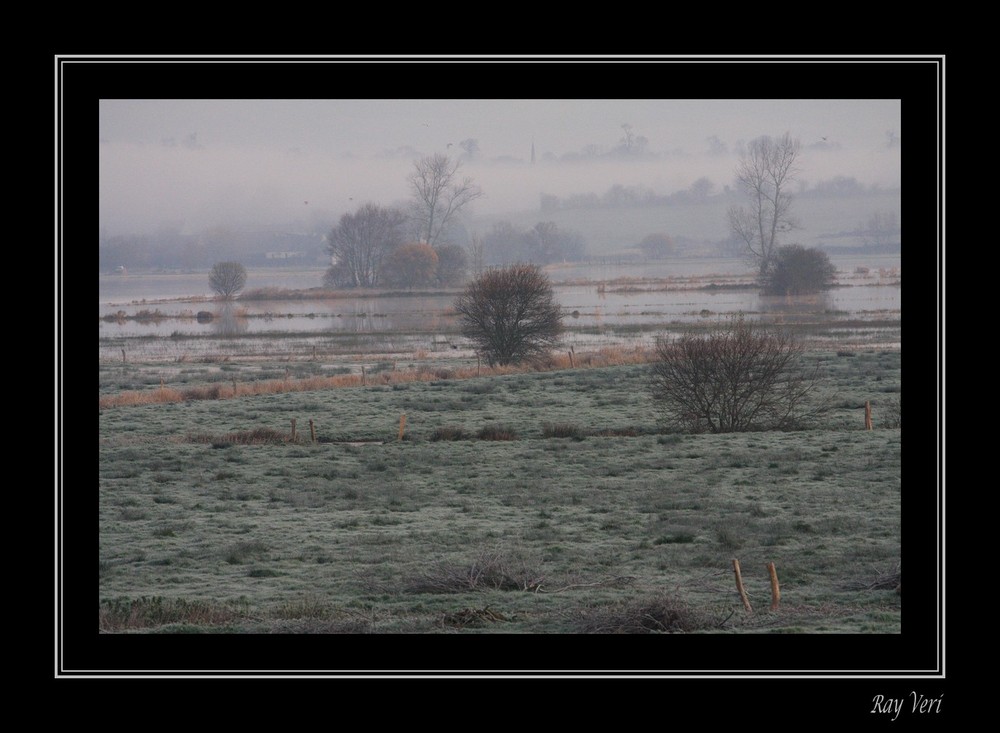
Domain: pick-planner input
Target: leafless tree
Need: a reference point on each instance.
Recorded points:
(439, 195)
(631, 142)
(510, 314)
(764, 172)
(227, 279)
(741, 377)
(360, 242)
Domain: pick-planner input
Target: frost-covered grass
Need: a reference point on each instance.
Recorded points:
(585, 517)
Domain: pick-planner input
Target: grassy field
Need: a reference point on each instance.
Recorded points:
(539, 502)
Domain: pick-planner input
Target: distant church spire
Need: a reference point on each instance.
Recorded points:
(532, 152)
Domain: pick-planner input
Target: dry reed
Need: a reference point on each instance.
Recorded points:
(602, 358)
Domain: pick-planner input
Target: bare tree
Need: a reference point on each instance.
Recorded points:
(227, 279)
(360, 242)
(439, 195)
(739, 378)
(630, 142)
(764, 172)
(510, 314)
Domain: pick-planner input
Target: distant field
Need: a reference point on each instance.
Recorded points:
(544, 502)
(610, 230)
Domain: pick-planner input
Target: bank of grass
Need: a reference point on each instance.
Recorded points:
(373, 376)
(585, 518)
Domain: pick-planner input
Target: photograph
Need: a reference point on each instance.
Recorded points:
(503, 367)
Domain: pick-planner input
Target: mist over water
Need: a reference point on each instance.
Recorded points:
(195, 164)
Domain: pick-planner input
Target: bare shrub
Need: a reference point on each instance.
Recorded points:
(657, 614)
(495, 568)
(740, 377)
(473, 617)
(887, 579)
(796, 270)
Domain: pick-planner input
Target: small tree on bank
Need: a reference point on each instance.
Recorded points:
(795, 270)
(227, 279)
(510, 314)
(739, 378)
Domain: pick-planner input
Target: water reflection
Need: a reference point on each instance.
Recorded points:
(782, 308)
(230, 320)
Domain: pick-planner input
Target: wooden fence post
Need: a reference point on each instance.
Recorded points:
(293, 429)
(312, 430)
(363, 381)
(402, 425)
(868, 415)
(739, 586)
(775, 589)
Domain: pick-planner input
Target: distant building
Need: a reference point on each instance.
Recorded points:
(283, 255)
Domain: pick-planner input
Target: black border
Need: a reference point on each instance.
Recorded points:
(917, 653)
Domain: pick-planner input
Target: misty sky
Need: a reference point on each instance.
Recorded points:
(194, 164)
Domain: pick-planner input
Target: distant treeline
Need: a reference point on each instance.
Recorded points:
(701, 191)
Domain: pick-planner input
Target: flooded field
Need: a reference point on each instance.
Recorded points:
(158, 317)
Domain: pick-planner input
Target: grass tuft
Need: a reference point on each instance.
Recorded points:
(562, 430)
(497, 432)
(450, 432)
(123, 614)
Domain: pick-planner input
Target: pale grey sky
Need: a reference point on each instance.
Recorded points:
(192, 162)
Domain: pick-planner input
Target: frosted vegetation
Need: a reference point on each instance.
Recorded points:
(536, 502)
